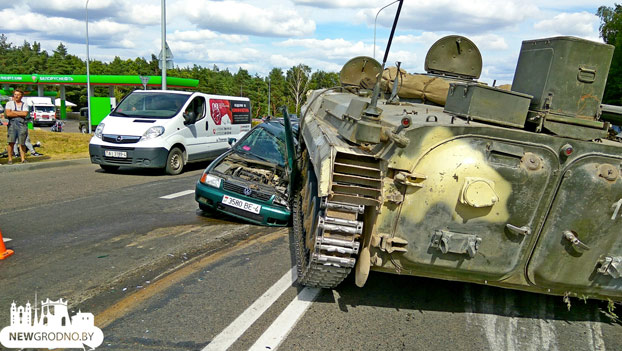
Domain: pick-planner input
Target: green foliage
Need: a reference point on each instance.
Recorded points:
(610, 312)
(284, 88)
(611, 32)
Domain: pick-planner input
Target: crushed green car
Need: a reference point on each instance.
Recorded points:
(250, 180)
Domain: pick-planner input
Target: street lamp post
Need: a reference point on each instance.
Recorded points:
(269, 111)
(377, 20)
(88, 78)
(163, 58)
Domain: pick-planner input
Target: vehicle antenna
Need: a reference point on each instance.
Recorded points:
(372, 110)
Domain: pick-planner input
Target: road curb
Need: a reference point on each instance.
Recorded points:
(19, 167)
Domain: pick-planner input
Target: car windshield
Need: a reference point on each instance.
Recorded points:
(263, 145)
(44, 108)
(150, 105)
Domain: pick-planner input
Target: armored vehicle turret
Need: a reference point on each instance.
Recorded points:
(516, 188)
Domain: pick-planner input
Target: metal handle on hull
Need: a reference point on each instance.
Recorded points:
(524, 230)
(576, 243)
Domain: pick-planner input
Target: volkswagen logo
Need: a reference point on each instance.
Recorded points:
(119, 138)
(247, 191)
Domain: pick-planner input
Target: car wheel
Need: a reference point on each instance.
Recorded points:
(175, 161)
(108, 168)
(84, 130)
(204, 208)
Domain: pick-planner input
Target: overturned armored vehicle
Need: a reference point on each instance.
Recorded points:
(515, 188)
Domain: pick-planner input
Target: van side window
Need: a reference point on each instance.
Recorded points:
(197, 106)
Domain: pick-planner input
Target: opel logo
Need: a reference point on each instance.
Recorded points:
(248, 191)
(119, 138)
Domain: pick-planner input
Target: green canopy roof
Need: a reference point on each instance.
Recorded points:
(59, 79)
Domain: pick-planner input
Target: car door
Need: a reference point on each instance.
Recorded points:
(198, 143)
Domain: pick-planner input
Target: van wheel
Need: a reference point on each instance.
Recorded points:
(175, 161)
(84, 130)
(108, 168)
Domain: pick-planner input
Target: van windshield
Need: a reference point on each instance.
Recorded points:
(150, 105)
(44, 108)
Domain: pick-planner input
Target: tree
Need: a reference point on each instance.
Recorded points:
(298, 83)
(278, 90)
(611, 32)
(321, 80)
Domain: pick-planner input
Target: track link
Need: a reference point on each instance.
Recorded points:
(336, 241)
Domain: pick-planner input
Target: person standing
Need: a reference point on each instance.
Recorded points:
(16, 112)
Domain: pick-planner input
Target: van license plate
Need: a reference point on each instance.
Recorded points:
(117, 154)
(241, 204)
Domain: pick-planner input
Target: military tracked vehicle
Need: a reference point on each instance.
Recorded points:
(516, 188)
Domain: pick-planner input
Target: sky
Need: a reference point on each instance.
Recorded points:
(258, 35)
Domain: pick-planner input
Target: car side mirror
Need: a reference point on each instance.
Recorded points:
(189, 118)
(232, 141)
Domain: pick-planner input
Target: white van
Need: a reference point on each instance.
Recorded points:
(167, 129)
(42, 110)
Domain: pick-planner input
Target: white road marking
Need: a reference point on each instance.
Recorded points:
(548, 340)
(512, 340)
(181, 193)
(283, 324)
(596, 341)
(229, 335)
(496, 340)
(6, 240)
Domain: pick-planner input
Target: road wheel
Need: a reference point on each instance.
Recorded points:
(84, 130)
(175, 161)
(108, 168)
(204, 208)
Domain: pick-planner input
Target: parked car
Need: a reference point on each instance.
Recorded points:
(168, 129)
(250, 181)
(83, 121)
(42, 110)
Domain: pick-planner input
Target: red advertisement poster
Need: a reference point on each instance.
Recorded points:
(230, 111)
(220, 111)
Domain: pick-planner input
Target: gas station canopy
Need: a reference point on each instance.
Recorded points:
(102, 80)
(98, 106)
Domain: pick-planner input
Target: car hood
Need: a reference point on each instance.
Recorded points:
(264, 176)
(130, 125)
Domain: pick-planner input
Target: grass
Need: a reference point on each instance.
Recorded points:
(54, 146)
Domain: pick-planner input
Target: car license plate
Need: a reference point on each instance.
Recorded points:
(241, 204)
(117, 154)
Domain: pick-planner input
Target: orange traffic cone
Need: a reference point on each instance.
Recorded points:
(4, 253)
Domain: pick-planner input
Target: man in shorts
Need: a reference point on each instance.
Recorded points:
(16, 112)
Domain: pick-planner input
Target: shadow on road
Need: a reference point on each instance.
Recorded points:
(155, 172)
(423, 294)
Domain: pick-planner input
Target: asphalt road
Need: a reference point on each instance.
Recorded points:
(160, 275)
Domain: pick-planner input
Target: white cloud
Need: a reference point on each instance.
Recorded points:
(489, 42)
(204, 35)
(282, 61)
(241, 18)
(143, 14)
(357, 4)
(322, 34)
(581, 24)
(128, 44)
(449, 15)
(426, 38)
(332, 47)
(61, 28)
